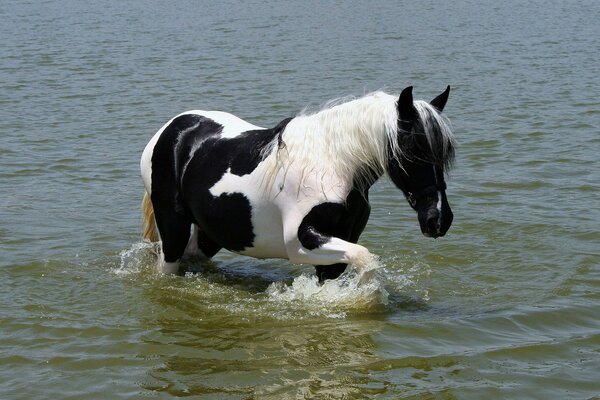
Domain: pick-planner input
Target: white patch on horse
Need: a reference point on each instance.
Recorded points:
(192, 246)
(439, 194)
(168, 268)
(266, 218)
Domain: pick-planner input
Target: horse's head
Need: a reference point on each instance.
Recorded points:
(423, 152)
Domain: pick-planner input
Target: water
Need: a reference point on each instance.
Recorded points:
(505, 306)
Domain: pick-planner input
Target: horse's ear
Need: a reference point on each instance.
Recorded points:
(440, 101)
(406, 108)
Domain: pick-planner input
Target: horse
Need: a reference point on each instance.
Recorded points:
(297, 191)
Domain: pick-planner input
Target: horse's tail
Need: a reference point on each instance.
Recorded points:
(149, 231)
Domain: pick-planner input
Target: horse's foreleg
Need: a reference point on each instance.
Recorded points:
(354, 222)
(332, 257)
(332, 271)
(314, 248)
(326, 237)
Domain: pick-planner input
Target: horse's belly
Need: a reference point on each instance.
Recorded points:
(266, 250)
(268, 233)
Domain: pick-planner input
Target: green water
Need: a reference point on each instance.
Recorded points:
(507, 305)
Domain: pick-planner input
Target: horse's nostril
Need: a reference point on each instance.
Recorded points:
(432, 225)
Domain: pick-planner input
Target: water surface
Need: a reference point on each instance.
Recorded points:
(505, 306)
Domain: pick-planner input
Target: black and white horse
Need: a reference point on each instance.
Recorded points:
(298, 191)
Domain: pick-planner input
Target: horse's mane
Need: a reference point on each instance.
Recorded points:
(354, 139)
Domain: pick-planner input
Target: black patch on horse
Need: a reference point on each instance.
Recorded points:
(173, 218)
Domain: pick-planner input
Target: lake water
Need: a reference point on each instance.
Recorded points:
(507, 305)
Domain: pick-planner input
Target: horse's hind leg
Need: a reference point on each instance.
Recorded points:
(207, 246)
(201, 244)
(174, 229)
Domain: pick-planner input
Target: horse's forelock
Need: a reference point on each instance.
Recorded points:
(437, 133)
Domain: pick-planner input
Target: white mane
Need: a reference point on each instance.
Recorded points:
(350, 140)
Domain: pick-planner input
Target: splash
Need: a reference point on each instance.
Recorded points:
(139, 257)
(250, 289)
(408, 277)
(355, 289)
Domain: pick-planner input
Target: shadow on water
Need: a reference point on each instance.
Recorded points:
(253, 280)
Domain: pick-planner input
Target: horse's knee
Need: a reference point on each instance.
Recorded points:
(359, 255)
(333, 251)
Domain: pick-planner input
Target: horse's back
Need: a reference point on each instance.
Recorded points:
(232, 125)
(192, 125)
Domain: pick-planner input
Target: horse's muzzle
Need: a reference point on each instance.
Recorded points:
(435, 223)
